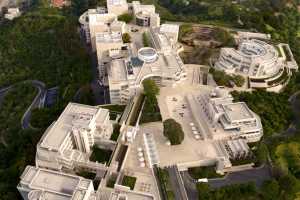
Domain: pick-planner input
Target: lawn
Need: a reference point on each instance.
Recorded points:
(204, 172)
(148, 115)
(129, 181)
(100, 155)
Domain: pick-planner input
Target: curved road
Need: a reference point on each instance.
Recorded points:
(25, 121)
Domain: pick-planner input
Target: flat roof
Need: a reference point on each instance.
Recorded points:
(237, 111)
(118, 70)
(54, 185)
(109, 37)
(74, 115)
(53, 181)
(116, 2)
(169, 28)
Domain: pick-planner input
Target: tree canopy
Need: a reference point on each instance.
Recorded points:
(125, 18)
(173, 131)
(126, 38)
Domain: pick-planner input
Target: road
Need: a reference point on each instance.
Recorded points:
(25, 121)
(3, 92)
(189, 185)
(256, 175)
(177, 183)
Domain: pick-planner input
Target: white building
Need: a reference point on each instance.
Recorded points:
(236, 119)
(264, 64)
(145, 15)
(125, 76)
(237, 149)
(67, 142)
(42, 184)
(96, 21)
(117, 7)
(12, 13)
(161, 63)
(171, 31)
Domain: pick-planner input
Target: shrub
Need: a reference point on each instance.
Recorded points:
(126, 38)
(125, 18)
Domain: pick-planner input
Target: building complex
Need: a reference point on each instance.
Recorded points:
(216, 129)
(265, 65)
(236, 119)
(123, 66)
(68, 142)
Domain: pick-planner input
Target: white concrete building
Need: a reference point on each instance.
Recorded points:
(236, 119)
(145, 15)
(265, 65)
(67, 143)
(96, 21)
(171, 31)
(253, 58)
(237, 149)
(117, 7)
(125, 76)
(12, 13)
(43, 184)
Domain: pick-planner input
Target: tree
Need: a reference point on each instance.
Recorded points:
(146, 42)
(238, 80)
(126, 38)
(173, 131)
(79, 6)
(262, 154)
(270, 190)
(150, 90)
(203, 191)
(125, 18)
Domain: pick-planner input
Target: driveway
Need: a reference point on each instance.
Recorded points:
(256, 175)
(177, 184)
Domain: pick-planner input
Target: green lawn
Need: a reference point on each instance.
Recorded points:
(100, 155)
(148, 115)
(129, 181)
